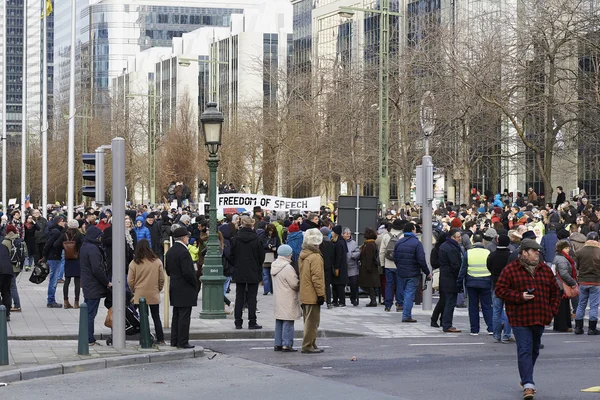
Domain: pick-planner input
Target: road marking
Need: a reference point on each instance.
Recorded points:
(593, 389)
(271, 348)
(576, 341)
(446, 344)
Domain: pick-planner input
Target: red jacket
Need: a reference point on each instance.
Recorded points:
(102, 225)
(514, 280)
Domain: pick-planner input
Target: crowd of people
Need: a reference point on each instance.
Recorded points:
(524, 264)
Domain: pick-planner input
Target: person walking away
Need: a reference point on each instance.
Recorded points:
(312, 288)
(53, 255)
(328, 252)
(94, 280)
(71, 242)
(409, 257)
(182, 288)
(495, 263)
(271, 242)
(450, 263)
(386, 258)
(368, 275)
(587, 260)
(286, 301)
(532, 296)
(12, 240)
(477, 279)
(6, 277)
(352, 256)
(566, 274)
(340, 268)
(294, 240)
(31, 229)
(247, 257)
(146, 279)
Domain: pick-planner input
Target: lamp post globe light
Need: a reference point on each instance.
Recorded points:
(212, 279)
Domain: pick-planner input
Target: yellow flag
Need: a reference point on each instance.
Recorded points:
(48, 8)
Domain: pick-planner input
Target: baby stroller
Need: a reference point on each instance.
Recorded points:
(132, 318)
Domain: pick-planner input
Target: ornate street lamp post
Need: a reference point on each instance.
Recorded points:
(213, 279)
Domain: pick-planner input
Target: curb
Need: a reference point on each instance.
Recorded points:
(43, 371)
(203, 335)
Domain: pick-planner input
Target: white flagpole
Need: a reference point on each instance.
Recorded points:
(45, 117)
(71, 151)
(4, 204)
(24, 113)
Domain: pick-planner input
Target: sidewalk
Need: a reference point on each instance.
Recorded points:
(37, 322)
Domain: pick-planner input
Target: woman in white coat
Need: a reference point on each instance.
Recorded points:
(286, 300)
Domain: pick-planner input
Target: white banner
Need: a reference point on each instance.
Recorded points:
(272, 203)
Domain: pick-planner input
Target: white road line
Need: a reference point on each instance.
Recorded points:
(576, 341)
(446, 344)
(271, 348)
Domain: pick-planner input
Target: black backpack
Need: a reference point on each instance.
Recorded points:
(17, 252)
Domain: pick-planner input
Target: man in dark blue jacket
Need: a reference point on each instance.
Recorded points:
(94, 280)
(409, 257)
(53, 255)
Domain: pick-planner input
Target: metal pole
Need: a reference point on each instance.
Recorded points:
(45, 118)
(384, 179)
(4, 204)
(71, 150)
(23, 112)
(100, 188)
(166, 322)
(357, 208)
(118, 256)
(427, 220)
(153, 152)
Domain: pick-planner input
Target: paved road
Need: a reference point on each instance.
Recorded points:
(409, 369)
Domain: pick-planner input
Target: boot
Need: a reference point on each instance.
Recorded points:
(67, 304)
(592, 328)
(76, 304)
(578, 327)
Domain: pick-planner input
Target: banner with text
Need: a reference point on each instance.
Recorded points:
(274, 203)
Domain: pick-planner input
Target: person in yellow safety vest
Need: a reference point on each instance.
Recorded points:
(478, 280)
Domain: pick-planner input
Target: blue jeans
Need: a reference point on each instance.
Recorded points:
(483, 296)
(266, 276)
(92, 308)
(500, 318)
(528, 340)
(391, 278)
(593, 294)
(284, 333)
(14, 293)
(226, 285)
(409, 285)
(54, 266)
(61, 275)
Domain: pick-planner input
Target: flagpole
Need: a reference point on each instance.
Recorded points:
(24, 113)
(71, 150)
(45, 117)
(4, 19)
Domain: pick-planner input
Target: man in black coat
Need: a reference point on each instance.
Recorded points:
(450, 259)
(247, 255)
(496, 262)
(94, 281)
(53, 256)
(340, 278)
(561, 197)
(182, 288)
(154, 229)
(6, 275)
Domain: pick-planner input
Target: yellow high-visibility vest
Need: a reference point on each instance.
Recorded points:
(477, 258)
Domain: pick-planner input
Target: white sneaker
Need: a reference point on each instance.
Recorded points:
(474, 334)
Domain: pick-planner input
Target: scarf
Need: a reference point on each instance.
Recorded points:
(530, 268)
(129, 239)
(573, 270)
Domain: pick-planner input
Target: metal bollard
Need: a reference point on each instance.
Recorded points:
(145, 337)
(3, 337)
(83, 346)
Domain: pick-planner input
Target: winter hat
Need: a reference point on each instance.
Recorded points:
(284, 251)
(312, 237)
(528, 235)
(102, 215)
(73, 224)
(180, 232)
(527, 244)
(93, 233)
(294, 228)
(456, 223)
(325, 231)
(503, 241)
(192, 240)
(562, 233)
(398, 224)
(11, 228)
(497, 210)
(337, 230)
(490, 234)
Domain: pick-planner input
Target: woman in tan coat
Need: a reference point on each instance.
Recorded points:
(146, 279)
(285, 300)
(312, 288)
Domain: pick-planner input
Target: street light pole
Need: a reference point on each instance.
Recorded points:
(213, 279)
(23, 111)
(71, 147)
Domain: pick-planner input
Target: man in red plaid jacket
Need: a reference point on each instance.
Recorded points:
(531, 295)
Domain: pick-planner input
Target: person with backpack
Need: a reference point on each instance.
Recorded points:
(71, 242)
(6, 276)
(386, 258)
(17, 253)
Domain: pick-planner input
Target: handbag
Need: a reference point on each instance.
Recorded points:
(39, 274)
(108, 322)
(570, 291)
(269, 257)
